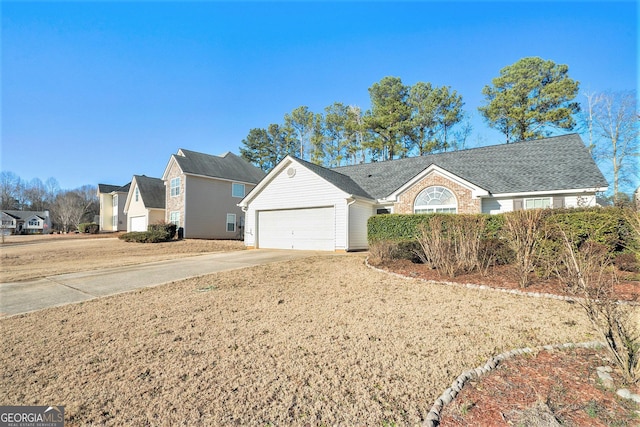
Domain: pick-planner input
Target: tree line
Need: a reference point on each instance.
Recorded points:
(530, 99)
(68, 208)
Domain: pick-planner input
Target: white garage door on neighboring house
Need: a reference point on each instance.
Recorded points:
(139, 223)
(305, 229)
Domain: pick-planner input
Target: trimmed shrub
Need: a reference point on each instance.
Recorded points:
(155, 236)
(89, 227)
(164, 227)
(607, 226)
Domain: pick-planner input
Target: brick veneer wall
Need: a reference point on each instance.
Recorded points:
(466, 204)
(175, 203)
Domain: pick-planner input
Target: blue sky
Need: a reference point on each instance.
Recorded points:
(95, 92)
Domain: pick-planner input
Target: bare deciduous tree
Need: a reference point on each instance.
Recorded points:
(613, 124)
(71, 207)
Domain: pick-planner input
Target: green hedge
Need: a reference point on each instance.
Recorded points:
(162, 227)
(607, 226)
(404, 227)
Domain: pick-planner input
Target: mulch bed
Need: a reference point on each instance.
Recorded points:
(548, 388)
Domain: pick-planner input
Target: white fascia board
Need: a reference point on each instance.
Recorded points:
(266, 180)
(166, 169)
(476, 192)
(550, 192)
(132, 187)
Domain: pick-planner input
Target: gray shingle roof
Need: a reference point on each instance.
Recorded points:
(228, 166)
(108, 188)
(343, 182)
(23, 215)
(152, 191)
(556, 163)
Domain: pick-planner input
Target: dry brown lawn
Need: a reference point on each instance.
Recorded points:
(318, 341)
(31, 257)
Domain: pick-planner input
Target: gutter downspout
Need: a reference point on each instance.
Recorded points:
(350, 201)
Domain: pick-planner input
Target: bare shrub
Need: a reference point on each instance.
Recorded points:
(382, 251)
(523, 232)
(451, 244)
(587, 273)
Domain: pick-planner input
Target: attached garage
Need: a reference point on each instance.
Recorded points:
(304, 229)
(138, 223)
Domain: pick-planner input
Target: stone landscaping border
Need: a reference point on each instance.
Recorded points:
(433, 417)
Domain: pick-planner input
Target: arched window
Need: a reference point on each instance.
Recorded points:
(435, 200)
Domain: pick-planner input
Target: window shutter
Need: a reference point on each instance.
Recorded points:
(517, 204)
(558, 202)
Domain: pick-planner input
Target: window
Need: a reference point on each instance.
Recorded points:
(435, 200)
(114, 221)
(237, 190)
(114, 201)
(137, 193)
(175, 186)
(231, 223)
(539, 203)
(34, 222)
(174, 218)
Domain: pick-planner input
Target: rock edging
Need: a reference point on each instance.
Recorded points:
(433, 417)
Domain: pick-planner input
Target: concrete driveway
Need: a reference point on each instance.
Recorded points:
(24, 297)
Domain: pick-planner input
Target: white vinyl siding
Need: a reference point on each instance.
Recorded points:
(303, 189)
(359, 213)
(496, 206)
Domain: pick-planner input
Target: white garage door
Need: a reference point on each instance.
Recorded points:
(306, 229)
(138, 223)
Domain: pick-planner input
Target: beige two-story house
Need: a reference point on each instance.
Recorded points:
(202, 193)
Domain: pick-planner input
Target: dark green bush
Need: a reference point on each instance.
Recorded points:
(164, 227)
(89, 227)
(606, 226)
(406, 227)
(156, 236)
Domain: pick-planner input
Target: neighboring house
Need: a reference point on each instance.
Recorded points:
(112, 199)
(203, 192)
(300, 205)
(145, 203)
(26, 222)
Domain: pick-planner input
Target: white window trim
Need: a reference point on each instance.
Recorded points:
(533, 199)
(229, 216)
(174, 186)
(449, 208)
(137, 193)
(172, 218)
(233, 186)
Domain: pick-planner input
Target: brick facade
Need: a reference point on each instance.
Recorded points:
(175, 203)
(466, 204)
